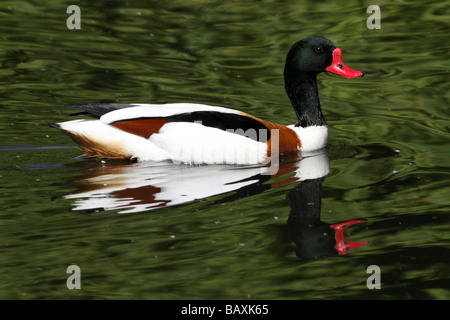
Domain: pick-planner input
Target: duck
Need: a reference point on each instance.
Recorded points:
(204, 134)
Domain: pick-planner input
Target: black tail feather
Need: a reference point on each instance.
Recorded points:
(54, 125)
(97, 109)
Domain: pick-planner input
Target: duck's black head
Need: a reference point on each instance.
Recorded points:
(310, 55)
(306, 59)
(315, 55)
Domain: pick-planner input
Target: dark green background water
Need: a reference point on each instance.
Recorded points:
(389, 150)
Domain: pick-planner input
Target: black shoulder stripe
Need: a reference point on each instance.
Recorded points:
(231, 122)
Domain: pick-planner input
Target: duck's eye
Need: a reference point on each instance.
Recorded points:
(318, 49)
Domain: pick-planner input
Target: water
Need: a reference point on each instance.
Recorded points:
(167, 231)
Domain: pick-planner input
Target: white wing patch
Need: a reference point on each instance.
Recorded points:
(159, 110)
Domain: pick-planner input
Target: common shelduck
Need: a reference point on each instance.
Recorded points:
(203, 134)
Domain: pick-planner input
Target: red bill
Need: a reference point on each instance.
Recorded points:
(338, 67)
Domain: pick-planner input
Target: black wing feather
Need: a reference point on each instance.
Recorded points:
(97, 109)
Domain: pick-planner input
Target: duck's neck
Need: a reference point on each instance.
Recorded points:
(302, 90)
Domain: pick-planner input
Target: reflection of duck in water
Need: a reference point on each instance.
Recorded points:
(148, 185)
(313, 238)
(144, 186)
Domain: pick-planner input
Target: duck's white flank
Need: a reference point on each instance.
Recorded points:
(195, 143)
(180, 142)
